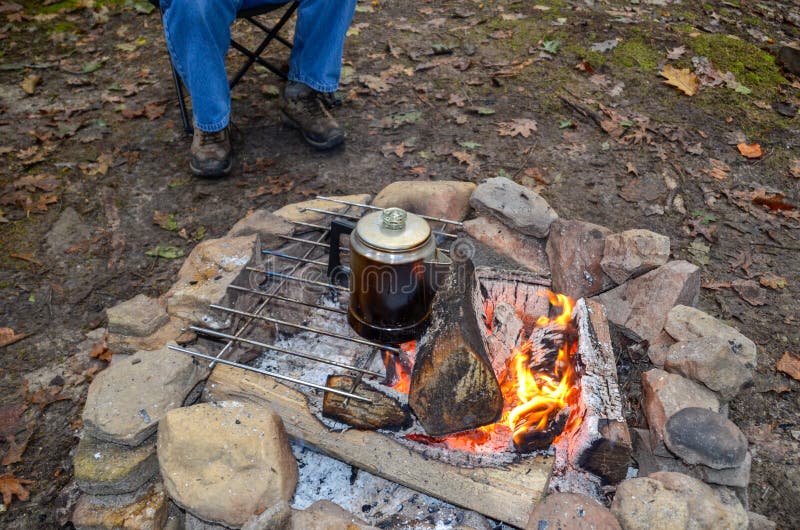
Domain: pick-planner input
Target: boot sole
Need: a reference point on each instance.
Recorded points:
(328, 144)
(204, 173)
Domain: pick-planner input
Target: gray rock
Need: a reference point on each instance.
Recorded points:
(665, 394)
(127, 400)
(669, 501)
(267, 225)
(144, 509)
(105, 468)
(632, 253)
(574, 250)
(516, 206)
(701, 436)
(523, 250)
(687, 323)
(226, 462)
(650, 462)
(570, 511)
(138, 317)
(789, 57)
(711, 361)
(640, 306)
(67, 231)
(195, 523)
(325, 515)
(445, 199)
(759, 522)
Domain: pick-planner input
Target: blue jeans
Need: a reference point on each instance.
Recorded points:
(198, 35)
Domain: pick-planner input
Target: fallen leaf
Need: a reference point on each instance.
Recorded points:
(675, 53)
(517, 127)
(630, 167)
(463, 157)
(750, 150)
(101, 351)
(773, 281)
(16, 448)
(605, 46)
(456, 100)
(11, 485)
(483, 111)
(165, 221)
(25, 257)
(718, 170)
(683, 79)
(374, 83)
(10, 415)
(467, 144)
(154, 110)
(773, 201)
(165, 251)
(47, 396)
(790, 365)
(29, 84)
(750, 292)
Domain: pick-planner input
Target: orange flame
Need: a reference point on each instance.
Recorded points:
(401, 371)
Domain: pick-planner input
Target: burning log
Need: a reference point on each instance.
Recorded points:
(383, 413)
(529, 439)
(453, 385)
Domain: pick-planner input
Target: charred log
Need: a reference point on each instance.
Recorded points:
(453, 385)
(531, 440)
(383, 413)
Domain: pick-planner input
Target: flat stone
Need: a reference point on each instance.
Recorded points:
(759, 522)
(516, 206)
(277, 517)
(524, 250)
(445, 199)
(640, 306)
(571, 511)
(146, 509)
(672, 501)
(632, 253)
(789, 57)
(68, 230)
(127, 400)
(712, 362)
(226, 462)
(649, 462)
(574, 251)
(708, 507)
(205, 276)
(266, 224)
(658, 348)
(173, 330)
(294, 212)
(325, 515)
(701, 436)
(687, 323)
(105, 468)
(140, 316)
(665, 394)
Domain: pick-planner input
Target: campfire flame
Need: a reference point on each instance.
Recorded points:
(531, 399)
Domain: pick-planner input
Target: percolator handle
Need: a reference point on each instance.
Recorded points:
(338, 274)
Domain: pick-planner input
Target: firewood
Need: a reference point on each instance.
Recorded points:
(534, 440)
(453, 385)
(383, 413)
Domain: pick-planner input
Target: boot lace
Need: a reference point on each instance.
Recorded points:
(210, 138)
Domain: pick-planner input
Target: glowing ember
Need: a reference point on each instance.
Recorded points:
(533, 399)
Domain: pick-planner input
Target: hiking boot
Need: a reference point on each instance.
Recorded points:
(211, 153)
(306, 109)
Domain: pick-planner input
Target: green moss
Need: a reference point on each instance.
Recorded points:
(753, 67)
(596, 59)
(636, 52)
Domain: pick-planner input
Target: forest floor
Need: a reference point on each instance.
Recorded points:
(94, 174)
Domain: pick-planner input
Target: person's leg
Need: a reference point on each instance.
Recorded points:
(198, 35)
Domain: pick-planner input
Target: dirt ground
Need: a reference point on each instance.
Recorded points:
(94, 175)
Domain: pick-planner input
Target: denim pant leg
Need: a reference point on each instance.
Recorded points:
(316, 58)
(198, 35)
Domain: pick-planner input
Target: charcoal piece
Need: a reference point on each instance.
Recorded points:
(453, 385)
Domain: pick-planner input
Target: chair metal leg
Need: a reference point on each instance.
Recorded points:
(263, 62)
(187, 124)
(251, 58)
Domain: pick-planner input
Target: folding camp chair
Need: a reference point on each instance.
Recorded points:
(253, 56)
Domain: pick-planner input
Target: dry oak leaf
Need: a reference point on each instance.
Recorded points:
(683, 79)
(773, 281)
(719, 169)
(9, 336)
(750, 150)
(11, 485)
(790, 365)
(464, 158)
(517, 127)
(29, 84)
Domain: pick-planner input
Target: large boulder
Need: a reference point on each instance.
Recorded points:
(632, 253)
(105, 468)
(686, 323)
(711, 361)
(127, 400)
(227, 461)
(701, 436)
(516, 206)
(665, 394)
(140, 316)
(524, 250)
(570, 511)
(445, 199)
(574, 250)
(670, 501)
(640, 306)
